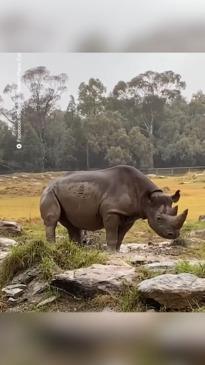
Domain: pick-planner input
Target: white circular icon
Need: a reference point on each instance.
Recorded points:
(19, 146)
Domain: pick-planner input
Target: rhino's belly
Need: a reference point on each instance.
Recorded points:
(82, 214)
(83, 220)
(87, 223)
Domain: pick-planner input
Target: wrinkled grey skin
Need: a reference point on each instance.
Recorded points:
(113, 199)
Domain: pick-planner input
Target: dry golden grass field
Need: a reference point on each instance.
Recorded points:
(20, 193)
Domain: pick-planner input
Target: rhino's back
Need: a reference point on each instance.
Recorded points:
(94, 184)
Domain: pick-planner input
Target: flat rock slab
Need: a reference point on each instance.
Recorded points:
(175, 292)
(95, 278)
(146, 247)
(14, 290)
(138, 260)
(7, 242)
(162, 265)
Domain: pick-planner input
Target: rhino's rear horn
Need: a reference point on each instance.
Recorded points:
(172, 211)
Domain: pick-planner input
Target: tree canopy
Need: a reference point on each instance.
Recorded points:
(144, 122)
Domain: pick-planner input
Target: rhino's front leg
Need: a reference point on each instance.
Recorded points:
(122, 232)
(50, 233)
(111, 224)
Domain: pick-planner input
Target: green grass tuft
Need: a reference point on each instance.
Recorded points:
(130, 300)
(192, 226)
(48, 267)
(21, 257)
(186, 267)
(69, 256)
(64, 255)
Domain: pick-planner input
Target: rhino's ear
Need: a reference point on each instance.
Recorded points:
(176, 196)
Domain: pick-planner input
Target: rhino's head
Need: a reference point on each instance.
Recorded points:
(162, 218)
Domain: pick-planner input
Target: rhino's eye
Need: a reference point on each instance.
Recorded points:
(159, 219)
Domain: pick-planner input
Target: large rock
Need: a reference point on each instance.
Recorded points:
(95, 278)
(10, 227)
(175, 292)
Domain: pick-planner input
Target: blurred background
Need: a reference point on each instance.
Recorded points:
(103, 339)
(101, 26)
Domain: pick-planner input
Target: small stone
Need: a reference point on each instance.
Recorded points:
(130, 247)
(47, 301)
(12, 300)
(107, 309)
(14, 291)
(138, 260)
(202, 218)
(137, 246)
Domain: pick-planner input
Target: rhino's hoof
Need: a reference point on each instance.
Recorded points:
(111, 248)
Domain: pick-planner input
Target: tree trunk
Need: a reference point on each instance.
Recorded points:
(152, 150)
(87, 156)
(151, 160)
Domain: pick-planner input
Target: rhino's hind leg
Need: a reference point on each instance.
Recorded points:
(111, 224)
(50, 213)
(75, 234)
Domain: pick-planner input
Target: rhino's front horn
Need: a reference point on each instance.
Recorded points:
(180, 219)
(172, 211)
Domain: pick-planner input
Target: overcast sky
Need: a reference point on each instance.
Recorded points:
(108, 67)
(60, 25)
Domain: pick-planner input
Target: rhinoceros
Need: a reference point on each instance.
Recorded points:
(112, 198)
